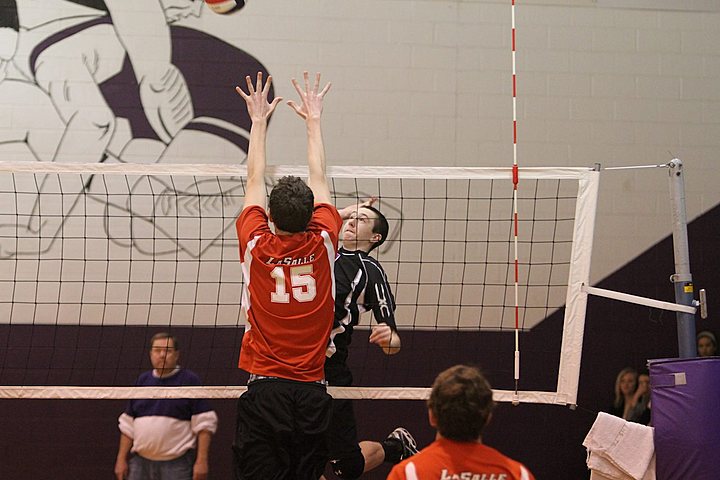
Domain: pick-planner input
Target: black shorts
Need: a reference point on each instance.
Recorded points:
(342, 436)
(281, 430)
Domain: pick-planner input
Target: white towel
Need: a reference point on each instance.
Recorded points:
(602, 469)
(620, 450)
(594, 475)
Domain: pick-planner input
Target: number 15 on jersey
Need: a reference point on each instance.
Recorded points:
(302, 284)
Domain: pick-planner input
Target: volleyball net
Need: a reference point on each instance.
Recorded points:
(94, 259)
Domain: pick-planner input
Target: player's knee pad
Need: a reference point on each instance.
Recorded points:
(350, 467)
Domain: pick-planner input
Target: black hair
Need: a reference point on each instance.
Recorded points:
(291, 204)
(381, 226)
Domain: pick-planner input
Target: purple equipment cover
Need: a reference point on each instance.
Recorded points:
(686, 416)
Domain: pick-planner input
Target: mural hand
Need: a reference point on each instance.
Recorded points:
(166, 100)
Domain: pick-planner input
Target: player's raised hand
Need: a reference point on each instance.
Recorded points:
(259, 109)
(311, 98)
(369, 202)
(352, 210)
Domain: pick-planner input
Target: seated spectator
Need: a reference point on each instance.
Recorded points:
(706, 344)
(625, 387)
(640, 412)
(459, 407)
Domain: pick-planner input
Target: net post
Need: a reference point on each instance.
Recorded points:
(681, 279)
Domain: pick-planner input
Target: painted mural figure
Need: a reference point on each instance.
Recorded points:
(122, 83)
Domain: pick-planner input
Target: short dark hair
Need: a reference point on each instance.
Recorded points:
(291, 204)
(461, 401)
(162, 336)
(381, 226)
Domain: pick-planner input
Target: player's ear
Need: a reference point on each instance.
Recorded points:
(431, 418)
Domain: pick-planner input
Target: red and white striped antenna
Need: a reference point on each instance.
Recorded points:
(515, 213)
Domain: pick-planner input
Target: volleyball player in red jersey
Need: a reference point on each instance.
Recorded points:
(459, 407)
(288, 299)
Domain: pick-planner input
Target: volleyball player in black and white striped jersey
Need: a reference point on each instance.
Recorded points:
(361, 286)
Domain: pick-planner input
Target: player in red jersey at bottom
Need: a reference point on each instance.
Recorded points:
(288, 301)
(459, 407)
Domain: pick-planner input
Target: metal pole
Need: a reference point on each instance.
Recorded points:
(682, 279)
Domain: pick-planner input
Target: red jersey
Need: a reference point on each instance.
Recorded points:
(450, 460)
(288, 294)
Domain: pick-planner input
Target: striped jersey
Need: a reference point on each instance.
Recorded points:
(360, 286)
(164, 429)
(446, 459)
(288, 294)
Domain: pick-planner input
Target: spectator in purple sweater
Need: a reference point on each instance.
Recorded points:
(165, 438)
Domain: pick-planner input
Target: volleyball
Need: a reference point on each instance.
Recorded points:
(224, 6)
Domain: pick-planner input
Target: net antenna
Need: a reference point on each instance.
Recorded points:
(153, 247)
(516, 369)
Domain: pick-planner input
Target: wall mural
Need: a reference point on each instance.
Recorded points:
(117, 81)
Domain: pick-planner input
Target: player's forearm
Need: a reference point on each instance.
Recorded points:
(257, 149)
(346, 213)
(255, 189)
(317, 180)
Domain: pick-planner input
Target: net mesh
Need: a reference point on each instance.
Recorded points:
(96, 258)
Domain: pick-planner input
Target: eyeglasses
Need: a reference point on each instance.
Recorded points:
(162, 349)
